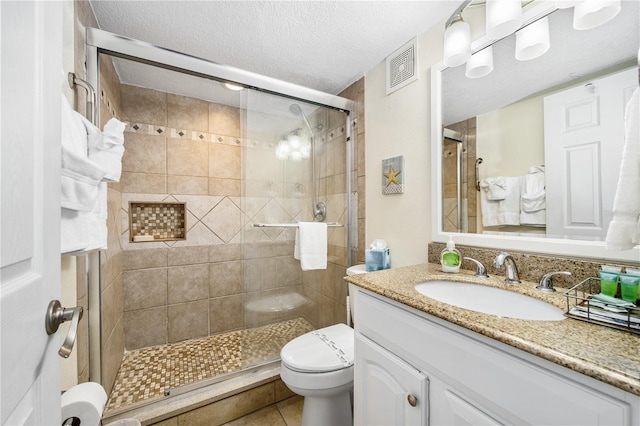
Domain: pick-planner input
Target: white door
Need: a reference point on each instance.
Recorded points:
(584, 137)
(30, 96)
(387, 390)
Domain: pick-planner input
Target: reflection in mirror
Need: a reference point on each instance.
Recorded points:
(544, 137)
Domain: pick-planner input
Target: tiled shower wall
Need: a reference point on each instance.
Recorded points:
(181, 149)
(449, 160)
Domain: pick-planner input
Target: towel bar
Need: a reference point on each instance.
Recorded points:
(290, 225)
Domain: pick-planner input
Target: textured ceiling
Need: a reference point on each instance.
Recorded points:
(324, 45)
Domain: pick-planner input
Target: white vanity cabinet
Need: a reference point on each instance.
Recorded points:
(470, 379)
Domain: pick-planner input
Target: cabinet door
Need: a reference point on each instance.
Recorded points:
(387, 390)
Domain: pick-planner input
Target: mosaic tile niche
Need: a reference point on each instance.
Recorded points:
(157, 221)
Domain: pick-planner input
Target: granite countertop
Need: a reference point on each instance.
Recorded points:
(606, 354)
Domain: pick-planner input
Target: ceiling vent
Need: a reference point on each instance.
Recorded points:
(402, 66)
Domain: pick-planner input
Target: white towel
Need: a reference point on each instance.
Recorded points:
(496, 188)
(107, 147)
(624, 229)
(533, 206)
(311, 245)
(79, 175)
(502, 212)
(94, 153)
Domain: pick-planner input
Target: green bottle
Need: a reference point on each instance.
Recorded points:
(450, 257)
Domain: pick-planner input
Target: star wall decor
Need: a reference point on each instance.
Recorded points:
(393, 175)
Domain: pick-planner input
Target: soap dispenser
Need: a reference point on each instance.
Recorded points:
(450, 257)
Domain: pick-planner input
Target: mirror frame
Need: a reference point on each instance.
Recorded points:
(534, 245)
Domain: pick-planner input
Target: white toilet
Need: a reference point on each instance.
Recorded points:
(319, 366)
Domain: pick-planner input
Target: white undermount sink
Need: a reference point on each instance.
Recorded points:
(490, 300)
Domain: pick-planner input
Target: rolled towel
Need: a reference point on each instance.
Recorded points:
(495, 188)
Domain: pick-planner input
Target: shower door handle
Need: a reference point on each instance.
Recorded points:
(478, 162)
(56, 315)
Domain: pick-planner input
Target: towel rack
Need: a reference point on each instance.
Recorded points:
(75, 81)
(290, 225)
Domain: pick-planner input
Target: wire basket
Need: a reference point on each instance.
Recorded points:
(581, 306)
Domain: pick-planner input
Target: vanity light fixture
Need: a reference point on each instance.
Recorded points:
(503, 17)
(533, 40)
(480, 63)
(457, 42)
(592, 13)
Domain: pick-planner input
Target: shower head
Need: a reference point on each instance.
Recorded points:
(296, 109)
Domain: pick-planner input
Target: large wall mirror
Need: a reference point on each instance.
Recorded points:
(553, 125)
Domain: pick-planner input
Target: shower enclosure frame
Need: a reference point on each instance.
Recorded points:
(100, 41)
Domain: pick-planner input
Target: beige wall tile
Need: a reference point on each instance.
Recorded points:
(187, 185)
(142, 183)
(144, 259)
(259, 274)
(282, 391)
(189, 255)
(188, 320)
(224, 120)
(173, 421)
(225, 252)
(228, 187)
(225, 220)
(112, 352)
(187, 113)
(267, 416)
(188, 283)
(225, 278)
(144, 153)
(224, 161)
(224, 313)
(288, 271)
(187, 157)
(291, 410)
(230, 408)
(140, 105)
(145, 327)
(145, 288)
(112, 305)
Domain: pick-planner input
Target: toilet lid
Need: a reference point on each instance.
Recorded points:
(323, 350)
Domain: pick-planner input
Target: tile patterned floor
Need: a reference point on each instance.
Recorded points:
(146, 373)
(284, 413)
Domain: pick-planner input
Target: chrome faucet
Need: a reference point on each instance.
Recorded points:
(481, 272)
(546, 283)
(505, 259)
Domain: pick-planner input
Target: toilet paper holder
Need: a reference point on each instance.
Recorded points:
(56, 315)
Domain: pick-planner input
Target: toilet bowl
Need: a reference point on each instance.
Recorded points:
(319, 366)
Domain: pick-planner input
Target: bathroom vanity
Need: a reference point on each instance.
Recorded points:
(419, 361)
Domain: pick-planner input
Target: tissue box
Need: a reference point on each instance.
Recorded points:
(376, 259)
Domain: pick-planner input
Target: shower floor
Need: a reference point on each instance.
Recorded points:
(146, 374)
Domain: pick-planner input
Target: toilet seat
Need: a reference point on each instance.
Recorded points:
(324, 350)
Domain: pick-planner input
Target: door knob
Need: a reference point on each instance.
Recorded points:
(56, 315)
(412, 400)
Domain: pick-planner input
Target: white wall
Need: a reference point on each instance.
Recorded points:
(400, 124)
(511, 139)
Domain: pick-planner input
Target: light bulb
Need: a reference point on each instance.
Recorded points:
(294, 140)
(457, 44)
(480, 63)
(592, 13)
(503, 17)
(533, 40)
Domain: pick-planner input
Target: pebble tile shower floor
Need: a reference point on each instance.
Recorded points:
(146, 373)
